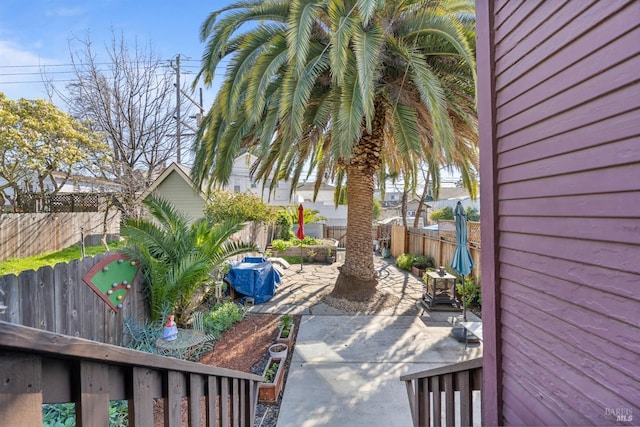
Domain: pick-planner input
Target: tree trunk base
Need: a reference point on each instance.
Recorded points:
(353, 288)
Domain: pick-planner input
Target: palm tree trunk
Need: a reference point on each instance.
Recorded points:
(359, 247)
(357, 279)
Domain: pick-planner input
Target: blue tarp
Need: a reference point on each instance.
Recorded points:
(254, 277)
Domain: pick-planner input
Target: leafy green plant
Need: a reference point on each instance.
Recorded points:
(308, 241)
(286, 322)
(311, 254)
(241, 207)
(283, 225)
(142, 337)
(280, 245)
(472, 214)
(222, 316)
(177, 257)
(404, 261)
(59, 415)
(442, 214)
(423, 262)
(118, 413)
(471, 292)
(310, 216)
(64, 414)
(272, 370)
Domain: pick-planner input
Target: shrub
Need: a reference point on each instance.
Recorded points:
(472, 214)
(471, 293)
(283, 225)
(279, 245)
(423, 262)
(241, 207)
(221, 317)
(442, 214)
(404, 261)
(178, 255)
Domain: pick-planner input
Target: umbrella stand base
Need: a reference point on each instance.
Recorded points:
(428, 306)
(462, 335)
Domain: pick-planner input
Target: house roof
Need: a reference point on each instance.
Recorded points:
(310, 186)
(182, 171)
(82, 178)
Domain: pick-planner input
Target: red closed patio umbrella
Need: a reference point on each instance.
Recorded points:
(300, 232)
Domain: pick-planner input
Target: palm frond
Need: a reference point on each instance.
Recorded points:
(367, 46)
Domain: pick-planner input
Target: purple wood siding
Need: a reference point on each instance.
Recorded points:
(559, 83)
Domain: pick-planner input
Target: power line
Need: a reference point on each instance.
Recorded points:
(84, 64)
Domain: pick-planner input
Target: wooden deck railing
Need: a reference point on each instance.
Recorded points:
(39, 367)
(433, 391)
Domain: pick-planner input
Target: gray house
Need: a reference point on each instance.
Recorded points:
(559, 114)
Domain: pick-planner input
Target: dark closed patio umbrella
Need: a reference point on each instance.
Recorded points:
(462, 262)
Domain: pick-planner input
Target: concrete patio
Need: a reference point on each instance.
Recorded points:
(345, 368)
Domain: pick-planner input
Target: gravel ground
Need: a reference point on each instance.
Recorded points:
(380, 301)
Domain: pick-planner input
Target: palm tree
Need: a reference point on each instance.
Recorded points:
(357, 89)
(177, 257)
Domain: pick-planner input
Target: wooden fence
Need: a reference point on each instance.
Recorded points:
(57, 300)
(381, 233)
(439, 244)
(28, 234)
(40, 367)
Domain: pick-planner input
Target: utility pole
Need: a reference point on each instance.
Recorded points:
(178, 115)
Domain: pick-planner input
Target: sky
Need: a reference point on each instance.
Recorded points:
(35, 34)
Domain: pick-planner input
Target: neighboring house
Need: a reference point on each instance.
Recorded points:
(241, 181)
(81, 184)
(449, 196)
(559, 114)
(174, 184)
(324, 203)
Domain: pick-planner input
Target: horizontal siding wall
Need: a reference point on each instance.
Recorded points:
(568, 187)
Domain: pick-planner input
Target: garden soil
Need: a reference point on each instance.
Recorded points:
(244, 348)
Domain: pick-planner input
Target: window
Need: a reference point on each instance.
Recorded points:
(236, 188)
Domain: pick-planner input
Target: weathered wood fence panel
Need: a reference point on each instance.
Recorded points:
(440, 245)
(58, 300)
(336, 232)
(28, 234)
(381, 233)
(255, 232)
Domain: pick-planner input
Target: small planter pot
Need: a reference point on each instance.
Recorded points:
(268, 392)
(278, 350)
(418, 271)
(286, 340)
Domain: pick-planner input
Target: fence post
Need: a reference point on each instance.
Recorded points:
(406, 240)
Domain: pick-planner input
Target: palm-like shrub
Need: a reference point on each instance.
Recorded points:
(178, 257)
